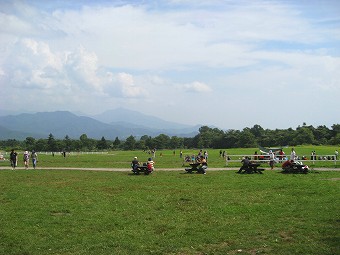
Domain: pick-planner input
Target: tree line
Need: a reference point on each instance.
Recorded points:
(207, 137)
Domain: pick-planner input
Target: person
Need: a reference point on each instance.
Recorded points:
(287, 164)
(293, 155)
(313, 156)
(150, 165)
(204, 165)
(135, 164)
(13, 157)
(34, 157)
(206, 155)
(271, 159)
(255, 155)
(282, 154)
(336, 154)
(26, 159)
(245, 163)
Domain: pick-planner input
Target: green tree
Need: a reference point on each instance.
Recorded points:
(11, 144)
(335, 140)
(41, 145)
(130, 143)
(247, 139)
(116, 143)
(257, 131)
(148, 142)
(67, 143)
(209, 137)
(231, 138)
(29, 143)
(335, 130)
(304, 136)
(51, 143)
(176, 142)
(102, 144)
(85, 143)
(188, 142)
(161, 141)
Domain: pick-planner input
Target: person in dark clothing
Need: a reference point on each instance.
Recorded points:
(13, 158)
(245, 163)
(135, 164)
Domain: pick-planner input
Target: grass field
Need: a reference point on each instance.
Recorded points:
(166, 158)
(168, 212)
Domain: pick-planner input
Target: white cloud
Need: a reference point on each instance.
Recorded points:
(104, 54)
(129, 89)
(14, 25)
(195, 86)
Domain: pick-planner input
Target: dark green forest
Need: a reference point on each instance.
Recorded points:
(206, 138)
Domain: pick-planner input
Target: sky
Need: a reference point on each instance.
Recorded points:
(229, 64)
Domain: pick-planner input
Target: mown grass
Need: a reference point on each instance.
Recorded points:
(85, 212)
(166, 158)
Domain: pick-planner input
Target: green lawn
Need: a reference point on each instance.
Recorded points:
(166, 158)
(168, 212)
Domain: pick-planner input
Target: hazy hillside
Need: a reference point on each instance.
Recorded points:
(62, 123)
(137, 119)
(6, 133)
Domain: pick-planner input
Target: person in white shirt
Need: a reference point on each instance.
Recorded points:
(292, 155)
(271, 159)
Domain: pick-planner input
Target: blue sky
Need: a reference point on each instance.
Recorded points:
(230, 64)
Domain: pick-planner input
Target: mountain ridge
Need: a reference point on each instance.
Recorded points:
(62, 123)
(134, 117)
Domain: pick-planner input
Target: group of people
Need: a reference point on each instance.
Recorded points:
(203, 165)
(136, 165)
(26, 158)
(195, 158)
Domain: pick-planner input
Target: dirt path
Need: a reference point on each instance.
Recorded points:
(157, 169)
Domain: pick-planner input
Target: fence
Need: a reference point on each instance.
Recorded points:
(258, 158)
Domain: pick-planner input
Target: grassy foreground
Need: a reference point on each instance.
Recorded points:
(85, 212)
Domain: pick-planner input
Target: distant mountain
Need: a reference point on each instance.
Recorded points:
(6, 133)
(59, 123)
(122, 115)
(62, 123)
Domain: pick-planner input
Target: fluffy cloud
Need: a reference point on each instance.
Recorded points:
(103, 54)
(197, 87)
(123, 85)
(32, 65)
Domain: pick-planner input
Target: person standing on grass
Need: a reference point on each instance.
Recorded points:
(271, 159)
(34, 157)
(292, 155)
(13, 157)
(26, 159)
